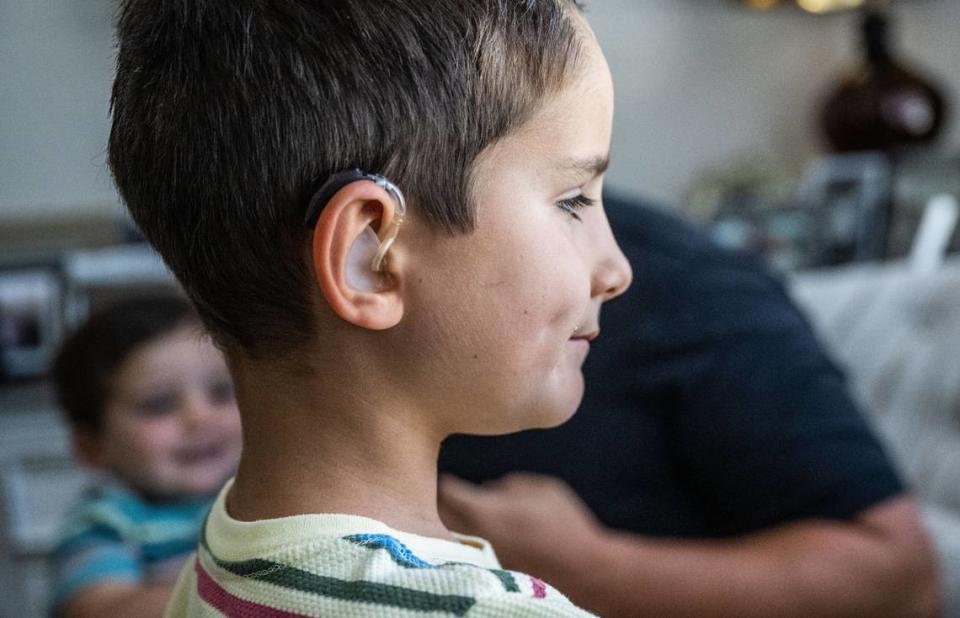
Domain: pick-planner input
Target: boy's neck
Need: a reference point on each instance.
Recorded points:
(326, 451)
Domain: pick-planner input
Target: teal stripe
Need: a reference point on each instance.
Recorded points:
(100, 534)
(93, 536)
(507, 579)
(158, 552)
(136, 523)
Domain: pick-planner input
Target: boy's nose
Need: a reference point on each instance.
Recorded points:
(612, 274)
(196, 412)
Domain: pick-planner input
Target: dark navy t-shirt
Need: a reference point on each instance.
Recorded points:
(710, 408)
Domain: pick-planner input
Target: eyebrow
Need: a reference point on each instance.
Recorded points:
(594, 166)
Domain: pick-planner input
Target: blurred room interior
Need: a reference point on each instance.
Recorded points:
(735, 113)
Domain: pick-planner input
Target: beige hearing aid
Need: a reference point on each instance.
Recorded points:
(367, 256)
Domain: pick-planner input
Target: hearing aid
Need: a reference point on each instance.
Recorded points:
(361, 273)
(367, 256)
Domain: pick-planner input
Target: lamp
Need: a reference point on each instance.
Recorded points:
(811, 6)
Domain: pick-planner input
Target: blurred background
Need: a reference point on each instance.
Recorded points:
(826, 141)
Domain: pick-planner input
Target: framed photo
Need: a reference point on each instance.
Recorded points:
(30, 324)
(850, 198)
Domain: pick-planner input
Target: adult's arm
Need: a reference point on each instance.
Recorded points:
(118, 599)
(879, 563)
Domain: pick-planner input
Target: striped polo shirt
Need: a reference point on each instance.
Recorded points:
(344, 565)
(114, 535)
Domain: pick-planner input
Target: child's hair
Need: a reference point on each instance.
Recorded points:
(87, 362)
(228, 115)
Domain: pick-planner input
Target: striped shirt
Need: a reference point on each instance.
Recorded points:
(113, 535)
(344, 565)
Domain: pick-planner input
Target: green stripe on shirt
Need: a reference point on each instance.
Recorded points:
(360, 591)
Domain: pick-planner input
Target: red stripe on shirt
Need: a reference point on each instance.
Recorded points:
(211, 593)
(539, 588)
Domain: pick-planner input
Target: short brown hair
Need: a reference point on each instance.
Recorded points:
(228, 115)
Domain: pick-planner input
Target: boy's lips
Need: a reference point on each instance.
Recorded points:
(582, 341)
(589, 336)
(200, 453)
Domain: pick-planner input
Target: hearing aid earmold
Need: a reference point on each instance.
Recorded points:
(340, 180)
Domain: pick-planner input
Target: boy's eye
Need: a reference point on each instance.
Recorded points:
(221, 392)
(575, 204)
(158, 405)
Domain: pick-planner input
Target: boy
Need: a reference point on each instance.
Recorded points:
(150, 404)
(269, 150)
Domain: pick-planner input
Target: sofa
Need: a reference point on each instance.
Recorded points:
(897, 334)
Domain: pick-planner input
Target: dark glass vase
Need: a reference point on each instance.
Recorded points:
(883, 105)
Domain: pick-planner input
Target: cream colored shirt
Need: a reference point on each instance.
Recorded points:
(343, 565)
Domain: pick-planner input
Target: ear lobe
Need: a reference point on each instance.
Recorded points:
(344, 245)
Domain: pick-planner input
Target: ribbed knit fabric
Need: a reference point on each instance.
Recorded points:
(350, 566)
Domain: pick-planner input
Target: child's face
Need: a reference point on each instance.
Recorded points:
(505, 313)
(171, 426)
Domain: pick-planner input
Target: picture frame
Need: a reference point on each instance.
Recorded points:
(30, 320)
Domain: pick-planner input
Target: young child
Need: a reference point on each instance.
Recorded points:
(387, 213)
(150, 404)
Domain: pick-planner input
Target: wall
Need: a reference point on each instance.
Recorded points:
(698, 81)
(56, 63)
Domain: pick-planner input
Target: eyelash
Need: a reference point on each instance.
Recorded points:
(575, 204)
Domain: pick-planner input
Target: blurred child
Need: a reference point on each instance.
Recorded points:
(150, 404)
(388, 214)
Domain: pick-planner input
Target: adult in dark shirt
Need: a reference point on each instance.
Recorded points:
(717, 466)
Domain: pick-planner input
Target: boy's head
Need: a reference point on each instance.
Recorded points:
(492, 116)
(149, 399)
(227, 116)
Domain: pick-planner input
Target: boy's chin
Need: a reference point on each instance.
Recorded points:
(206, 488)
(194, 488)
(547, 413)
(550, 421)
(175, 494)
(559, 407)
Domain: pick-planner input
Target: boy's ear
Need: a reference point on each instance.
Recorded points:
(345, 241)
(86, 447)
